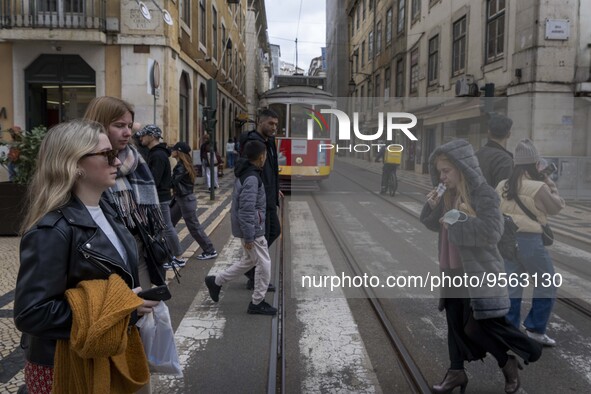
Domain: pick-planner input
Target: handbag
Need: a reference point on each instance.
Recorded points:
(158, 340)
(508, 243)
(547, 234)
(157, 250)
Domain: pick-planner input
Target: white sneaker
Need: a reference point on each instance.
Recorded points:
(541, 338)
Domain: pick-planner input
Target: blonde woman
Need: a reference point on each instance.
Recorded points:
(66, 231)
(185, 202)
(466, 215)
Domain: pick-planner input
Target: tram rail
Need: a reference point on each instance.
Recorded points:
(412, 373)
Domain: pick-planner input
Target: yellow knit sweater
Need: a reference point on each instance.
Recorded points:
(103, 354)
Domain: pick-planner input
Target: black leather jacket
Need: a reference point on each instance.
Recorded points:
(181, 181)
(64, 248)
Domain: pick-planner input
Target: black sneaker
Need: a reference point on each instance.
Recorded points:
(214, 290)
(207, 256)
(250, 286)
(261, 309)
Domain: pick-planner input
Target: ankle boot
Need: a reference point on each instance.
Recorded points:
(511, 373)
(453, 378)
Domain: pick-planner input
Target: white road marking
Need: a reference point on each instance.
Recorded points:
(334, 353)
(204, 320)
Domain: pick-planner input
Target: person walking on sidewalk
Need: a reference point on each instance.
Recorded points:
(185, 203)
(529, 196)
(230, 152)
(265, 133)
(70, 236)
(466, 215)
(248, 221)
(134, 195)
(496, 162)
(158, 154)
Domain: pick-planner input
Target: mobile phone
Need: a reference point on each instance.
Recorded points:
(550, 169)
(158, 293)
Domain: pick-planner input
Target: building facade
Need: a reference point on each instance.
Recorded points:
(58, 55)
(450, 63)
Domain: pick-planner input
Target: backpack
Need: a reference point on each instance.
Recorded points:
(508, 244)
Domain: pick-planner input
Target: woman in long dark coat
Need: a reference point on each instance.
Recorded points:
(468, 245)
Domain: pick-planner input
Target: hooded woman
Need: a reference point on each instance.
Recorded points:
(466, 215)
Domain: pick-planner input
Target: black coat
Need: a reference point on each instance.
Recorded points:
(160, 168)
(64, 248)
(270, 175)
(495, 162)
(181, 180)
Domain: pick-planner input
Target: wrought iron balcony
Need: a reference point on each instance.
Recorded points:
(53, 14)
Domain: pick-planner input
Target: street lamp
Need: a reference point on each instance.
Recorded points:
(352, 85)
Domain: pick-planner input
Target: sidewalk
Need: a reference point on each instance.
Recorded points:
(210, 214)
(574, 221)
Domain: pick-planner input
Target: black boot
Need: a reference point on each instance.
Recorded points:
(511, 373)
(453, 378)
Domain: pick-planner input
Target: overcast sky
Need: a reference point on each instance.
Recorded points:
(282, 19)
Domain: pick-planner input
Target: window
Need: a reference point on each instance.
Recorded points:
(414, 70)
(358, 17)
(224, 58)
(459, 47)
(368, 102)
(363, 8)
(387, 72)
(370, 5)
(495, 29)
(214, 32)
(400, 78)
(415, 11)
(184, 94)
(433, 67)
(370, 46)
(379, 37)
(60, 6)
(362, 53)
(186, 12)
(202, 19)
(377, 85)
(400, 25)
(388, 26)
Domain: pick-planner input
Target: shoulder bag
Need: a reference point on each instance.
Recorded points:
(547, 234)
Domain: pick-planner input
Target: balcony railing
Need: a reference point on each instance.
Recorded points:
(53, 14)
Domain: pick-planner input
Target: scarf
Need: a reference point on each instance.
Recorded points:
(134, 193)
(103, 354)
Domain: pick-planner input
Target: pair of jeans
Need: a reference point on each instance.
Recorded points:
(532, 259)
(170, 232)
(186, 207)
(230, 157)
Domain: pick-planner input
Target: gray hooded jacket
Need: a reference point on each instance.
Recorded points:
(477, 237)
(248, 202)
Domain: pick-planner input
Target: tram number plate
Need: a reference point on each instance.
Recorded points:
(299, 147)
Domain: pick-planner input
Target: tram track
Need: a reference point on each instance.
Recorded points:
(412, 373)
(579, 305)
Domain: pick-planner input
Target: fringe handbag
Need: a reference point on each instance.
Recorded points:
(547, 234)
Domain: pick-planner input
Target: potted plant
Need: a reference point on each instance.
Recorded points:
(20, 160)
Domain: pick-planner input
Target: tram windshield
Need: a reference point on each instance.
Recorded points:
(281, 110)
(299, 115)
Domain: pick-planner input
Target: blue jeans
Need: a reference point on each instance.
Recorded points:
(230, 157)
(532, 258)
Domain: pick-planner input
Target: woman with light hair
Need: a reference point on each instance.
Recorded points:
(464, 210)
(69, 236)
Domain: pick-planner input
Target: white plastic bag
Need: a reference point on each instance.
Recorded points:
(158, 339)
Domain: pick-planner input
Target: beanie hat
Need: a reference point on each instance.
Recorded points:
(182, 147)
(499, 125)
(152, 130)
(525, 153)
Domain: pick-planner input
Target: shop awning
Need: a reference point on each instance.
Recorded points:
(455, 110)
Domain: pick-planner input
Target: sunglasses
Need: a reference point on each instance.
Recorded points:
(111, 155)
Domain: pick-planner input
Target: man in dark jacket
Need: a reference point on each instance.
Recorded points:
(266, 129)
(496, 162)
(159, 165)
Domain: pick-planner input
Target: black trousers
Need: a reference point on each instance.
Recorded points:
(272, 232)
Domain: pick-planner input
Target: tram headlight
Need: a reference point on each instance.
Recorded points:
(317, 170)
(299, 160)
